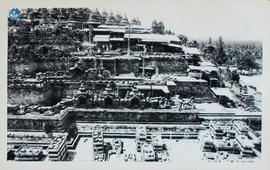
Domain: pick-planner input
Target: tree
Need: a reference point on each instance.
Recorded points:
(210, 41)
(161, 28)
(209, 49)
(138, 22)
(72, 131)
(55, 12)
(135, 21)
(85, 13)
(220, 56)
(118, 18)
(183, 39)
(97, 13)
(169, 32)
(158, 27)
(235, 76)
(248, 63)
(154, 26)
(209, 52)
(45, 13)
(202, 46)
(104, 14)
(193, 43)
(48, 129)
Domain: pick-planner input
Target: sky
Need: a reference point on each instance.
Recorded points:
(233, 20)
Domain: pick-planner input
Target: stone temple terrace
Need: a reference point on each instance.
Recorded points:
(86, 85)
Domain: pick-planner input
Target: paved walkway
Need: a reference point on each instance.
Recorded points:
(84, 150)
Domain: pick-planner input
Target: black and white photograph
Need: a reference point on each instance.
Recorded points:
(136, 81)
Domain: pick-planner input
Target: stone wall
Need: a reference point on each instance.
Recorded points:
(24, 96)
(167, 65)
(37, 124)
(134, 116)
(123, 66)
(128, 66)
(59, 124)
(196, 89)
(35, 67)
(32, 95)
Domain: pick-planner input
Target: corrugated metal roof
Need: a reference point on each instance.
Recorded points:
(101, 38)
(174, 45)
(222, 92)
(170, 83)
(153, 87)
(116, 39)
(154, 37)
(192, 50)
(120, 30)
(111, 27)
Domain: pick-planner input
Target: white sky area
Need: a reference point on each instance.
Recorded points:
(233, 20)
